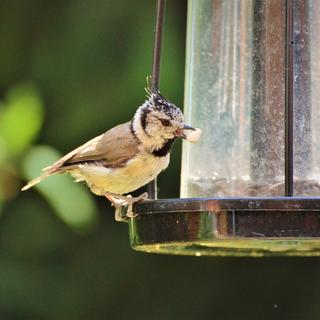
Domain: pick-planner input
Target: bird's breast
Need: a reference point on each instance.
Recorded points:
(137, 172)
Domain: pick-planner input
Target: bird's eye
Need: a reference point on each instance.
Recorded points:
(165, 122)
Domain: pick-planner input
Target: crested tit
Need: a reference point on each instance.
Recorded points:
(129, 155)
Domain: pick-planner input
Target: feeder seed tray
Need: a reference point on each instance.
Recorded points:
(228, 226)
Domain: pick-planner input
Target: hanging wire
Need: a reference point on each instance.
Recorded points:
(152, 186)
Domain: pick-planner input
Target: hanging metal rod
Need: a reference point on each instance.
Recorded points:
(289, 83)
(158, 44)
(152, 186)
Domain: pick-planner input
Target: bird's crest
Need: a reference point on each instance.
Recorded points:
(154, 95)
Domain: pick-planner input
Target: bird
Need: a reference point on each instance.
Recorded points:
(129, 155)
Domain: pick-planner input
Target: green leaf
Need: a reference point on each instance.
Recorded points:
(72, 202)
(20, 118)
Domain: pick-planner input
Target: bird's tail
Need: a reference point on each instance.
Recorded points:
(47, 172)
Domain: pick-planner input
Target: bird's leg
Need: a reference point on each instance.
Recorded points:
(118, 204)
(120, 201)
(125, 199)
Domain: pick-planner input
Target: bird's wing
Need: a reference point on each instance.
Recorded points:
(111, 149)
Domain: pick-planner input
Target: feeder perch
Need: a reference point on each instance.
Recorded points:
(251, 185)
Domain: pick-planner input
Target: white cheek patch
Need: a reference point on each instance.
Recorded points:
(194, 135)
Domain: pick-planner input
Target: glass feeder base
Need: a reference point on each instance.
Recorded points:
(252, 227)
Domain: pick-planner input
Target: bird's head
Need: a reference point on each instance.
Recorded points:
(159, 120)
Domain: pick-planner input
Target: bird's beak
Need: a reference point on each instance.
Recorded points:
(180, 132)
(187, 127)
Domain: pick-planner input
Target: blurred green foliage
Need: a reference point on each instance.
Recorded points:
(21, 117)
(74, 205)
(69, 70)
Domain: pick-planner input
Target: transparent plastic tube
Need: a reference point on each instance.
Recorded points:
(307, 98)
(235, 92)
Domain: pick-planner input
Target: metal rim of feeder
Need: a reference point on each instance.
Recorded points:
(232, 226)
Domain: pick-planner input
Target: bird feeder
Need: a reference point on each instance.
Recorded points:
(251, 185)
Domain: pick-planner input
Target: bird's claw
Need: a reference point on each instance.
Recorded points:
(124, 205)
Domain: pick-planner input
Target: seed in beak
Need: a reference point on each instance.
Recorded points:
(192, 136)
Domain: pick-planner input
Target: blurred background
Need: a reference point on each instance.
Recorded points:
(70, 70)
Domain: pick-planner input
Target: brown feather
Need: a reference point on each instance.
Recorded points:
(112, 149)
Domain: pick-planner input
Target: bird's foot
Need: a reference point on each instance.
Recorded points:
(120, 200)
(123, 204)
